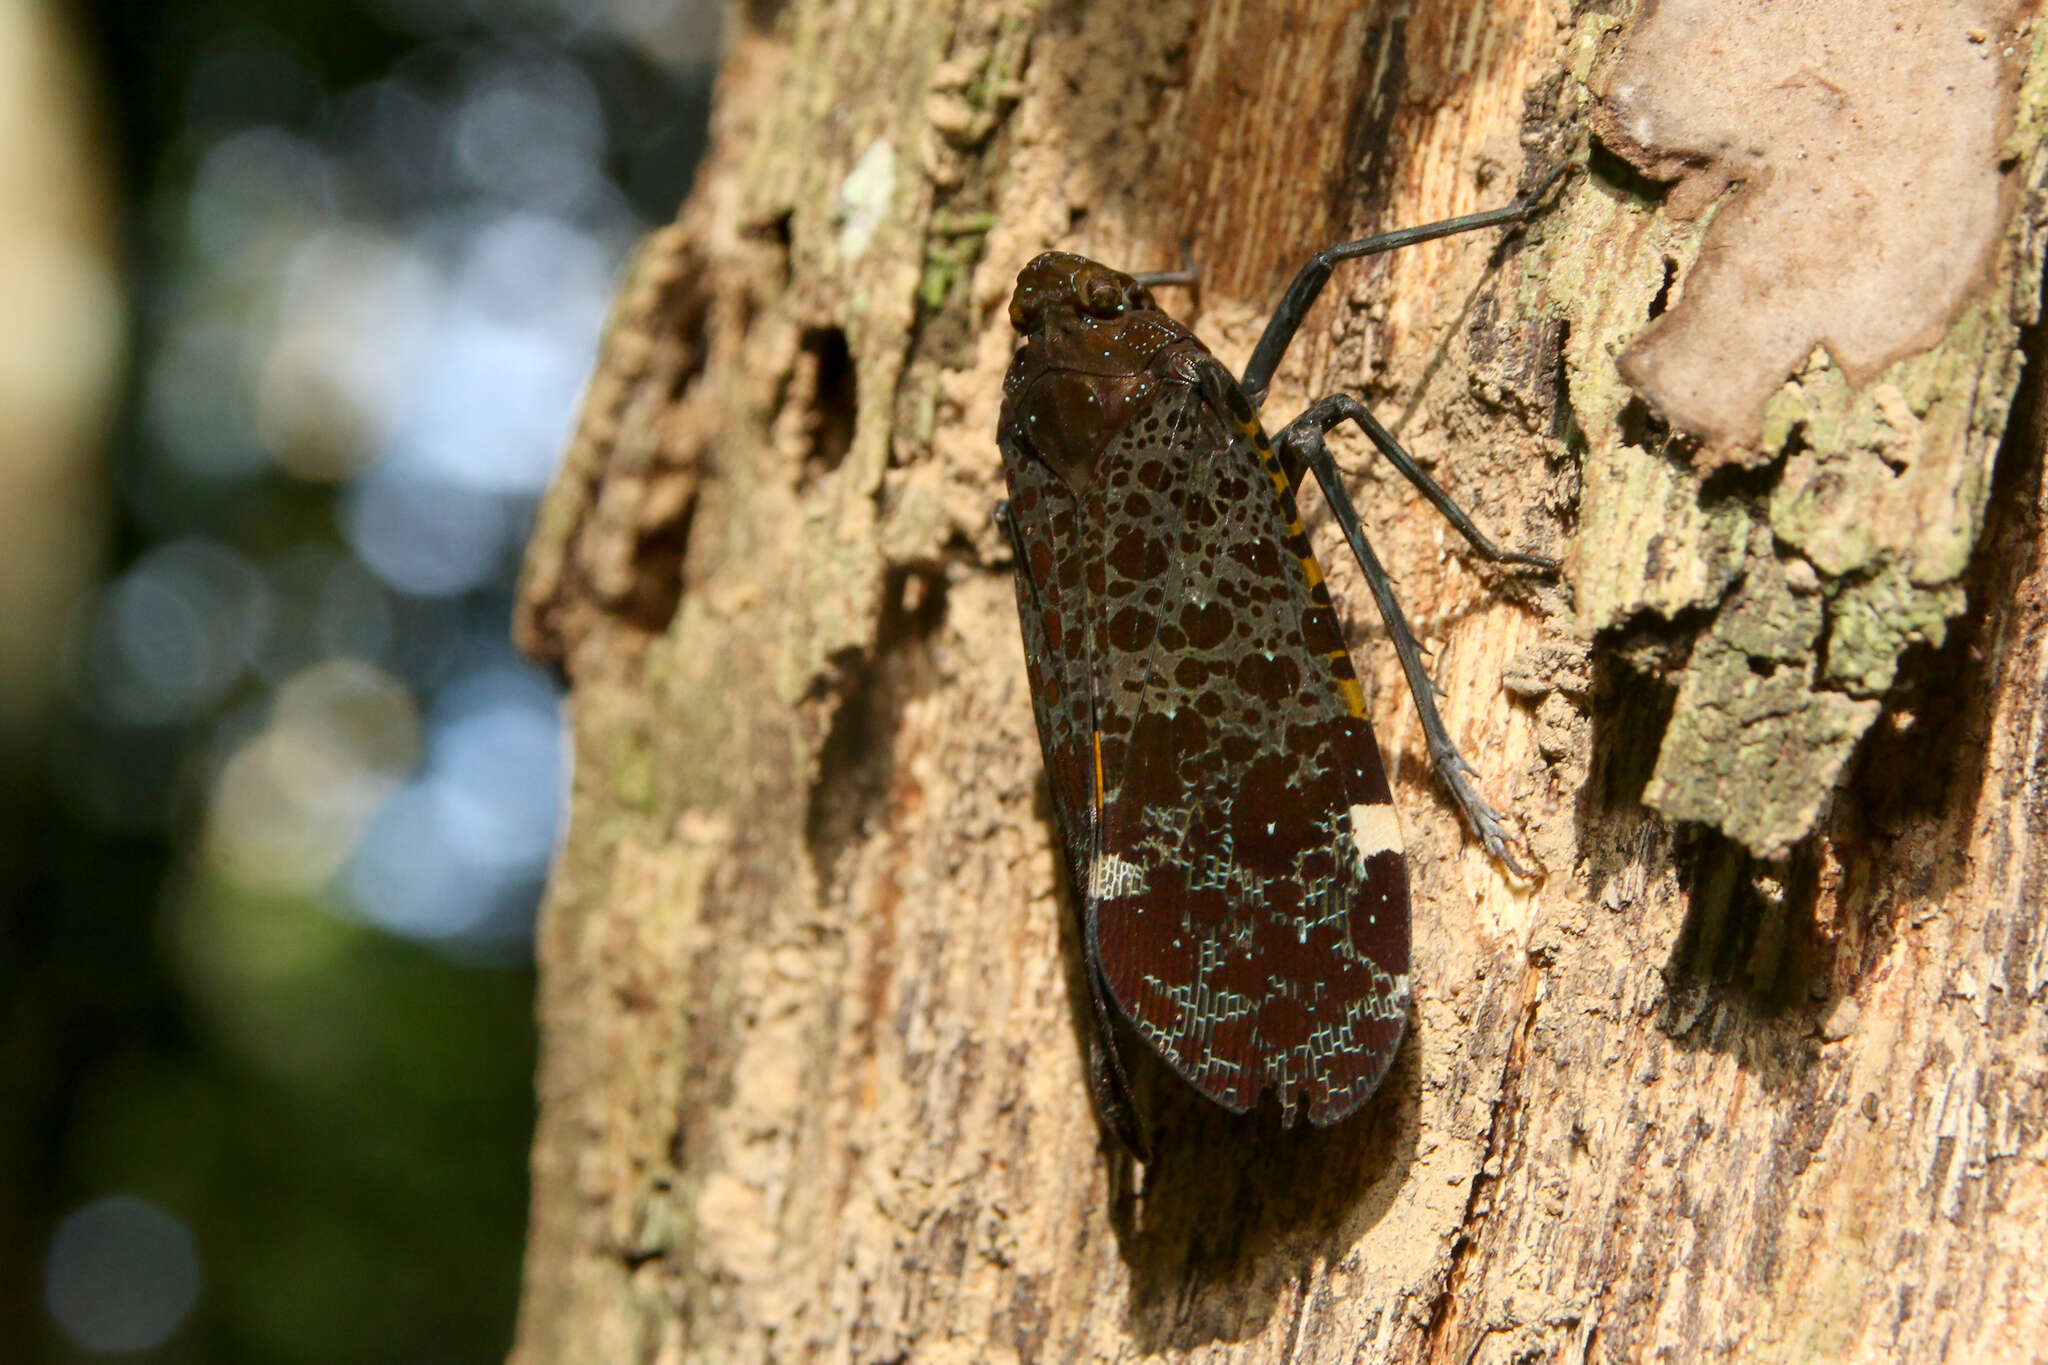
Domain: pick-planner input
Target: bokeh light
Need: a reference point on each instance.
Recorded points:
(456, 855)
(289, 805)
(170, 637)
(392, 291)
(270, 961)
(121, 1276)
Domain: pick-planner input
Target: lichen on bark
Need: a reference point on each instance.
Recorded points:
(1831, 357)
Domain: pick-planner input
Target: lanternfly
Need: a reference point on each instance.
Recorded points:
(1232, 847)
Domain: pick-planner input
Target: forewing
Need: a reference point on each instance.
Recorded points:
(1049, 530)
(1247, 895)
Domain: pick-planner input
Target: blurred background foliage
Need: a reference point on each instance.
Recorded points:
(295, 302)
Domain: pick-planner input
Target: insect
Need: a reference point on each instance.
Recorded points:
(1230, 839)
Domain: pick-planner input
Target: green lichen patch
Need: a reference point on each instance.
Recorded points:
(1776, 615)
(1753, 751)
(1646, 543)
(952, 249)
(1871, 622)
(1752, 748)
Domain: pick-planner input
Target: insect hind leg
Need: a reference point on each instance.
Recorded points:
(1302, 449)
(1109, 1083)
(1301, 443)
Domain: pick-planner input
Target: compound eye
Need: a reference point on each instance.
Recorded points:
(1025, 306)
(1102, 298)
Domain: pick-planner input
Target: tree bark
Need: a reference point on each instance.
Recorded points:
(1752, 1067)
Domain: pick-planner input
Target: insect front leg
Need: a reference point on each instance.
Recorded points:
(1309, 280)
(1301, 448)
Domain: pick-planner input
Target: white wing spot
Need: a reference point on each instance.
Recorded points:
(1375, 829)
(1112, 876)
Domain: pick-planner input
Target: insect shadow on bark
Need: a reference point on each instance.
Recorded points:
(1225, 1191)
(1230, 1197)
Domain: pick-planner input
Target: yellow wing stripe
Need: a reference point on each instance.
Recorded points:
(1353, 694)
(1098, 770)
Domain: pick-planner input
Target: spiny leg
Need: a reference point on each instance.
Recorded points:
(1310, 279)
(1305, 435)
(1301, 447)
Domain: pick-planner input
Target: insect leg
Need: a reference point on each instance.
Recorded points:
(1301, 445)
(1309, 280)
(1302, 442)
(1185, 277)
(1108, 1082)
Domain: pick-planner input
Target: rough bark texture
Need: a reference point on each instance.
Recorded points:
(1753, 1069)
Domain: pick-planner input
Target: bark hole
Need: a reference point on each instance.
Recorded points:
(1631, 706)
(658, 567)
(834, 400)
(1615, 171)
(1641, 427)
(692, 332)
(1662, 299)
(762, 15)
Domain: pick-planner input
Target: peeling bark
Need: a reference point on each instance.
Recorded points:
(812, 1084)
(1845, 330)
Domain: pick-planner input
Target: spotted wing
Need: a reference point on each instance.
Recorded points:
(1247, 897)
(1051, 531)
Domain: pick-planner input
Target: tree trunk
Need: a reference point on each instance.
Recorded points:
(1752, 1067)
